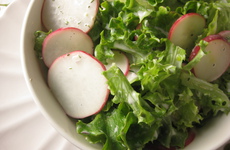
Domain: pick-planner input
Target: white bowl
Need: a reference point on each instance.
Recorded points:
(211, 136)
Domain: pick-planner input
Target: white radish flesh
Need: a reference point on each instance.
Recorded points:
(185, 30)
(120, 60)
(65, 40)
(132, 75)
(72, 13)
(77, 82)
(215, 62)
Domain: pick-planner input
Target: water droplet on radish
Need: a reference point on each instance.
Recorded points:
(86, 15)
(76, 58)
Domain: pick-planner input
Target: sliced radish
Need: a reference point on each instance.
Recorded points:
(225, 34)
(137, 28)
(120, 60)
(60, 13)
(77, 82)
(185, 30)
(215, 62)
(132, 75)
(65, 40)
(191, 137)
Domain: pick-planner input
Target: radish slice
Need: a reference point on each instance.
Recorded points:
(132, 75)
(185, 30)
(215, 62)
(137, 28)
(77, 82)
(72, 13)
(191, 137)
(120, 60)
(225, 34)
(65, 40)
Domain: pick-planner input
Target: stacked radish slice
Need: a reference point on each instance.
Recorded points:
(65, 40)
(75, 75)
(225, 34)
(184, 33)
(121, 60)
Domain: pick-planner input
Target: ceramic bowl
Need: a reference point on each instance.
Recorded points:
(210, 137)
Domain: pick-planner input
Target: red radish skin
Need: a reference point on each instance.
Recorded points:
(185, 30)
(158, 146)
(212, 37)
(215, 62)
(191, 137)
(77, 82)
(65, 40)
(121, 60)
(137, 28)
(207, 39)
(60, 13)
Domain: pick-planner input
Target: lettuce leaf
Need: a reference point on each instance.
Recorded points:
(39, 38)
(210, 95)
(119, 31)
(124, 92)
(220, 12)
(118, 128)
(109, 128)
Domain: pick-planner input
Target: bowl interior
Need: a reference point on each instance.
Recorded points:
(211, 136)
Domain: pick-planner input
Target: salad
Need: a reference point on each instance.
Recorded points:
(169, 89)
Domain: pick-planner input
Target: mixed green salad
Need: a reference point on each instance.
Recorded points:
(165, 100)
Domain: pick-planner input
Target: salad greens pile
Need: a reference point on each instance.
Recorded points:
(165, 99)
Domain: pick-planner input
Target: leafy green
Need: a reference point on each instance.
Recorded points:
(39, 38)
(109, 128)
(220, 12)
(212, 97)
(123, 92)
